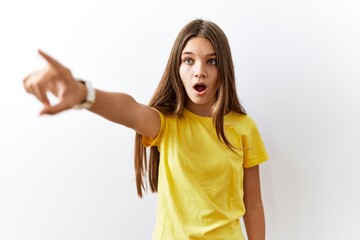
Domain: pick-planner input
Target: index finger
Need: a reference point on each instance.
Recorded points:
(51, 60)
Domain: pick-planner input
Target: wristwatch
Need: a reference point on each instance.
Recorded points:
(90, 96)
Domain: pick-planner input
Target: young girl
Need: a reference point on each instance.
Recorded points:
(205, 150)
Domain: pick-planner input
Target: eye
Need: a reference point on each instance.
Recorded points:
(188, 61)
(212, 61)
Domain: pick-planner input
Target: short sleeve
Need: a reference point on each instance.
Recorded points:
(254, 152)
(149, 141)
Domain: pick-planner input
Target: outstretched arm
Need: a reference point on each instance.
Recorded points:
(117, 107)
(123, 109)
(254, 217)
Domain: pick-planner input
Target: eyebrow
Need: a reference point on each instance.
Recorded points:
(190, 53)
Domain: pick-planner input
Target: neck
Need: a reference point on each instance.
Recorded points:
(201, 110)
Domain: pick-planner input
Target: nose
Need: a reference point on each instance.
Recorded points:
(200, 70)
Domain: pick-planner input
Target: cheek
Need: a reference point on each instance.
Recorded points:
(181, 73)
(184, 74)
(216, 81)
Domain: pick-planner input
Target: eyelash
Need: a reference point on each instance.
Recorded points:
(214, 60)
(186, 61)
(210, 61)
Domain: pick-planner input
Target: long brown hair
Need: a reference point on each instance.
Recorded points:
(169, 97)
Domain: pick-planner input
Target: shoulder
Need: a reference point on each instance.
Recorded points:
(239, 119)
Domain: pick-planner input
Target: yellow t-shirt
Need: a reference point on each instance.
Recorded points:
(200, 184)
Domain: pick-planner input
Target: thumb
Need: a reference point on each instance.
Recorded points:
(57, 108)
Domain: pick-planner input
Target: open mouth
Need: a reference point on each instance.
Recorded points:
(200, 87)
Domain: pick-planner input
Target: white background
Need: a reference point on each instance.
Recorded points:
(71, 176)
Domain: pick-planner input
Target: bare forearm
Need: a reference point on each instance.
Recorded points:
(119, 108)
(115, 107)
(255, 222)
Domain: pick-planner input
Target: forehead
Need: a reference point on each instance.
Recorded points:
(198, 45)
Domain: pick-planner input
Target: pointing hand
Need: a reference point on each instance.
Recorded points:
(58, 80)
